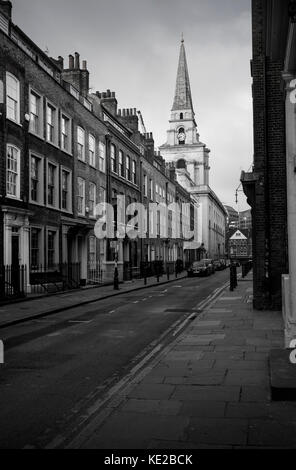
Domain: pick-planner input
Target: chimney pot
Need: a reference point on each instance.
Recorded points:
(77, 61)
(113, 94)
(71, 62)
(84, 65)
(108, 93)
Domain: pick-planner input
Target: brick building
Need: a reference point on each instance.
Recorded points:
(67, 150)
(266, 186)
(52, 175)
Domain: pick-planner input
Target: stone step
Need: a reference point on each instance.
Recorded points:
(282, 375)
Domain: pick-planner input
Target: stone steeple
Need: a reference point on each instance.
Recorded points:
(183, 98)
(183, 147)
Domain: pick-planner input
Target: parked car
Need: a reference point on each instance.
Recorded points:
(200, 268)
(210, 264)
(220, 264)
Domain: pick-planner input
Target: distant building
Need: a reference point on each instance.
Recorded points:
(240, 244)
(232, 219)
(245, 220)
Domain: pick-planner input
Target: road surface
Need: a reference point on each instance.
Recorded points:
(56, 367)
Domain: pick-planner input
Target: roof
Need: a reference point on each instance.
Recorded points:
(183, 98)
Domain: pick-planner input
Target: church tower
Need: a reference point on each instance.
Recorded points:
(183, 147)
(190, 157)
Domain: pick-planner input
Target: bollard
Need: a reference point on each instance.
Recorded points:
(145, 276)
(233, 277)
(116, 278)
(168, 273)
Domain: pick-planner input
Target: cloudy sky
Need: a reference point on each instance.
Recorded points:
(132, 47)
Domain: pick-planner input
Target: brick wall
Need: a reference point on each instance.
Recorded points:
(269, 209)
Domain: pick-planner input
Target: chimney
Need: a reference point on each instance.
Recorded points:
(77, 61)
(109, 101)
(130, 119)
(71, 62)
(77, 77)
(61, 61)
(6, 8)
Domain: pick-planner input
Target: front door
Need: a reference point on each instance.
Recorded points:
(15, 268)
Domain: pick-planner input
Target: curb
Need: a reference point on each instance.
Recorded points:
(85, 302)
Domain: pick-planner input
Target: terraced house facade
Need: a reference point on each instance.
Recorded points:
(63, 151)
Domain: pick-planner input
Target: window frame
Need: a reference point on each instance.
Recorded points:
(40, 248)
(92, 163)
(113, 158)
(102, 160)
(40, 195)
(17, 196)
(127, 168)
(69, 209)
(40, 132)
(92, 214)
(81, 214)
(79, 128)
(145, 185)
(69, 149)
(134, 172)
(55, 230)
(56, 185)
(121, 163)
(17, 110)
(54, 126)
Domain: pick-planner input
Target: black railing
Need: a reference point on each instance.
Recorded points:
(95, 274)
(59, 277)
(19, 281)
(13, 282)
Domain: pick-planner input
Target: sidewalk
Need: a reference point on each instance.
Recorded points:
(210, 389)
(12, 314)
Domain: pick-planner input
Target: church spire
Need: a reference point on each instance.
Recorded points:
(183, 98)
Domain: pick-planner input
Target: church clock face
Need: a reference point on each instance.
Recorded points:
(181, 136)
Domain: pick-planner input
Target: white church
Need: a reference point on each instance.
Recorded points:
(191, 159)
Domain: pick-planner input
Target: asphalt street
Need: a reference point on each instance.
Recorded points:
(56, 367)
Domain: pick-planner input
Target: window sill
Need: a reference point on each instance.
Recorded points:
(39, 136)
(13, 198)
(14, 122)
(67, 152)
(66, 211)
(53, 144)
(35, 203)
(54, 208)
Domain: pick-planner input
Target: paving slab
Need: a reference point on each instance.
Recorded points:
(218, 431)
(211, 390)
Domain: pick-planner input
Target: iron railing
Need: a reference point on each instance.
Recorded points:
(13, 281)
(20, 281)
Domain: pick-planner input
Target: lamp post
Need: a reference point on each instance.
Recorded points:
(116, 276)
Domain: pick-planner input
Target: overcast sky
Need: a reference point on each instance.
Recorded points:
(132, 48)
